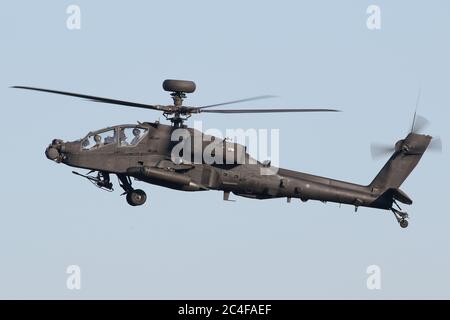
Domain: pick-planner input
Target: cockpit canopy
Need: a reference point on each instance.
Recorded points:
(121, 136)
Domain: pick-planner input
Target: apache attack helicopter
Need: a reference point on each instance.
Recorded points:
(144, 152)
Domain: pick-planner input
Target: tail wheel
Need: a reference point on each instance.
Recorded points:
(404, 223)
(136, 197)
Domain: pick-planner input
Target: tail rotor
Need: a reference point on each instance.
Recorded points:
(419, 124)
(381, 150)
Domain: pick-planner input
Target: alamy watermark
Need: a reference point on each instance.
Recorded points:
(193, 146)
(374, 19)
(73, 21)
(373, 281)
(73, 281)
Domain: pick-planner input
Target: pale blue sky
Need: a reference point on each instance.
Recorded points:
(194, 245)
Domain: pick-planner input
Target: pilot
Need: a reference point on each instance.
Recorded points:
(85, 144)
(111, 139)
(98, 141)
(137, 136)
(123, 138)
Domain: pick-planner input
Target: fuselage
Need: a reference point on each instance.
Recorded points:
(151, 159)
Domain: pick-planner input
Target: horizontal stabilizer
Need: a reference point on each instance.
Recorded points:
(399, 195)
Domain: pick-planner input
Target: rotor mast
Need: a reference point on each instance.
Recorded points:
(176, 116)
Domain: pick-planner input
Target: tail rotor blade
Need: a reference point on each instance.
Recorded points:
(419, 124)
(378, 151)
(415, 111)
(435, 145)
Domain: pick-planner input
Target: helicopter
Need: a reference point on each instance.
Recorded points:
(143, 152)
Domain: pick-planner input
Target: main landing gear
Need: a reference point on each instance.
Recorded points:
(135, 197)
(400, 216)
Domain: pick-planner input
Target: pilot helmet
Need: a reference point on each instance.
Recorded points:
(97, 138)
(85, 143)
(136, 132)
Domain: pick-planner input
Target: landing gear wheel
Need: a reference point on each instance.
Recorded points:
(403, 223)
(401, 217)
(136, 197)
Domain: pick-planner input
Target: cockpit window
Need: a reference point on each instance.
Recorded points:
(98, 140)
(131, 136)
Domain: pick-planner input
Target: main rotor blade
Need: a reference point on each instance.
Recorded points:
(97, 99)
(238, 101)
(267, 110)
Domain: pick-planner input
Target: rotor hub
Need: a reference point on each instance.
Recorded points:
(178, 89)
